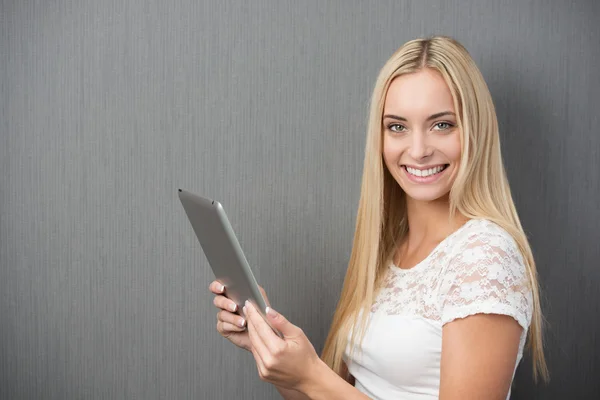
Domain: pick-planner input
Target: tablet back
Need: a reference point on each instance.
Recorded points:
(222, 249)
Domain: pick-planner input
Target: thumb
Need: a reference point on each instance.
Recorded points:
(280, 323)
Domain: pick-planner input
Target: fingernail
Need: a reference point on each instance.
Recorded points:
(233, 307)
(271, 312)
(242, 322)
(222, 289)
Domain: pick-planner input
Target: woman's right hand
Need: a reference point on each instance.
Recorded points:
(229, 324)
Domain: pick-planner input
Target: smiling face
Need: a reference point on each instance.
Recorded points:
(421, 139)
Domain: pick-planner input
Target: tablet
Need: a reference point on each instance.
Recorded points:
(223, 251)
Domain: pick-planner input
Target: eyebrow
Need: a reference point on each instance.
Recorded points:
(431, 117)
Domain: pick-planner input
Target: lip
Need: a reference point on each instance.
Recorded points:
(423, 168)
(427, 179)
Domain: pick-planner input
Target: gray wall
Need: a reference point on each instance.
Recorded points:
(108, 106)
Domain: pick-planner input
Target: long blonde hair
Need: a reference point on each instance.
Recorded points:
(481, 190)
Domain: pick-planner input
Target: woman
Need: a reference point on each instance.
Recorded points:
(441, 291)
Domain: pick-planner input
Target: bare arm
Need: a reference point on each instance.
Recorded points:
(479, 354)
(289, 394)
(327, 385)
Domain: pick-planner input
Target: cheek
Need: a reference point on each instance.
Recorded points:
(453, 148)
(391, 151)
(390, 159)
(385, 151)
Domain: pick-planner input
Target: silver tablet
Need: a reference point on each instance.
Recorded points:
(223, 251)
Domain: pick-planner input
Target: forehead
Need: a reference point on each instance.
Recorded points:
(418, 94)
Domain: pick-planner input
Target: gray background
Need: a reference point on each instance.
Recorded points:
(107, 107)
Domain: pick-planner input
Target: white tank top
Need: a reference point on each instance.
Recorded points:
(477, 269)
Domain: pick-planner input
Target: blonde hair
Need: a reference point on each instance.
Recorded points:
(481, 190)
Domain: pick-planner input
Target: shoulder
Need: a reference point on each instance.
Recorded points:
(483, 240)
(486, 272)
(484, 231)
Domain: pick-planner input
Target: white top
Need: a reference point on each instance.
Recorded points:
(477, 269)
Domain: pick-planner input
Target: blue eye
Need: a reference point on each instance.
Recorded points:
(396, 128)
(442, 126)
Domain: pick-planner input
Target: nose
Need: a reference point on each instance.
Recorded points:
(419, 147)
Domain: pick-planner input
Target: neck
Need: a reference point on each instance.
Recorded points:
(429, 220)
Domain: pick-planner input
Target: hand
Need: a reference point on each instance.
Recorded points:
(230, 325)
(290, 362)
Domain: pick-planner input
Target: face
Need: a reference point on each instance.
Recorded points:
(421, 140)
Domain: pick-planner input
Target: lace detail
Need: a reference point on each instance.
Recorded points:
(488, 275)
(477, 269)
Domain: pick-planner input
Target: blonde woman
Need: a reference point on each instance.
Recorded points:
(441, 293)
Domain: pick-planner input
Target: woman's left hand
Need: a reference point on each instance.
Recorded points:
(290, 362)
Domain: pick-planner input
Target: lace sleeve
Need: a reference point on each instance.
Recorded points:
(487, 275)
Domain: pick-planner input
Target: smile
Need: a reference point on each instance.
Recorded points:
(425, 175)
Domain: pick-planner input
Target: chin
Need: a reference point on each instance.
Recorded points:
(426, 193)
(426, 196)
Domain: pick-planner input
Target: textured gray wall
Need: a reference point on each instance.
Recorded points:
(108, 106)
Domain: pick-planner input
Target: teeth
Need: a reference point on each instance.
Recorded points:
(424, 173)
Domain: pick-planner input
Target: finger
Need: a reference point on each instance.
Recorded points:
(216, 287)
(262, 291)
(224, 303)
(280, 323)
(257, 342)
(271, 341)
(260, 365)
(225, 328)
(232, 319)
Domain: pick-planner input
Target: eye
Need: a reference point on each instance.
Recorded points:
(442, 126)
(396, 128)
